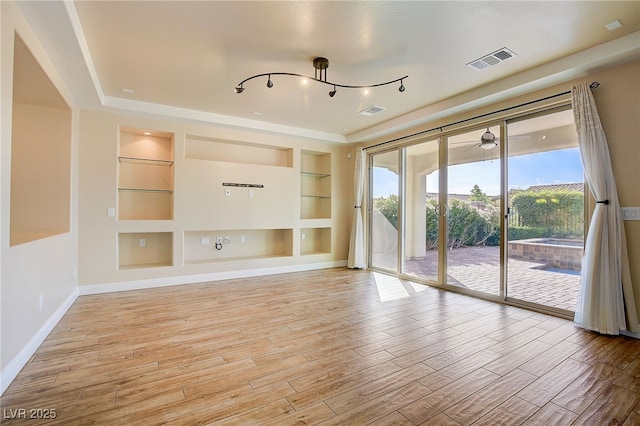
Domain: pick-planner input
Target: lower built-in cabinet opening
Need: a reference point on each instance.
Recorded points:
(228, 245)
(145, 250)
(315, 241)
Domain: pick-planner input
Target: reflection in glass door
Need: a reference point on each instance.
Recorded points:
(546, 211)
(421, 210)
(384, 211)
(473, 210)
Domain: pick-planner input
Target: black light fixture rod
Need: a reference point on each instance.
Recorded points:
(319, 80)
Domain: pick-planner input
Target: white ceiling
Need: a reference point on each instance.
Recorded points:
(185, 58)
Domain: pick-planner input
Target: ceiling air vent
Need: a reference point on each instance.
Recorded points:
(372, 110)
(492, 59)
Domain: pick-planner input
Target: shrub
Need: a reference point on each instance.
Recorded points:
(560, 211)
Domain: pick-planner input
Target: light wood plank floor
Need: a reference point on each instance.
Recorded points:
(331, 347)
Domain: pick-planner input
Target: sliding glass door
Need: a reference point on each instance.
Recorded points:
(384, 210)
(495, 210)
(422, 210)
(473, 210)
(546, 211)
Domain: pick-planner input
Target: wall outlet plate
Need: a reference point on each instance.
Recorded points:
(630, 213)
(205, 241)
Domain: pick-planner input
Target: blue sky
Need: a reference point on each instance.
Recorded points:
(560, 166)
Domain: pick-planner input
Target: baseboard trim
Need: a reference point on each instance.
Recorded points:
(12, 369)
(630, 334)
(85, 290)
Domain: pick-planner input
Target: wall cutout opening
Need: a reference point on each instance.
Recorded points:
(40, 204)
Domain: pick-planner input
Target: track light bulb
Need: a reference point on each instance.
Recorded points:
(401, 88)
(269, 83)
(333, 92)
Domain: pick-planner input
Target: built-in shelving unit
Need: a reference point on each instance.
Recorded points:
(315, 241)
(315, 185)
(201, 148)
(145, 250)
(145, 175)
(211, 246)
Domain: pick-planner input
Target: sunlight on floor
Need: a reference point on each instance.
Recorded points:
(389, 288)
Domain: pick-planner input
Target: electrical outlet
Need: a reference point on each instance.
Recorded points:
(205, 241)
(111, 212)
(227, 192)
(227, 239)
(218, 240)
(630, 213)
(143, 242)
(250, 193)
(303, 236)
(243, 239)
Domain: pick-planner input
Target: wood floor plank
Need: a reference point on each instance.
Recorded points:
(323, 347)
(546, 387)
(629, 378)
(551, 414)
(378, 387)
(489, 397)
(612, 407)
(330, 386)
(393, 419)
(513, 411)
(311, 415)
(438, 401)
(542, 363)
(378, 407)
(586, 387)
(259, 415)
(517, 357)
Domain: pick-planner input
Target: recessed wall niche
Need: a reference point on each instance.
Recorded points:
(40, 202)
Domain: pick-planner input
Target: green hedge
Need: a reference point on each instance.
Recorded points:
(544, 214)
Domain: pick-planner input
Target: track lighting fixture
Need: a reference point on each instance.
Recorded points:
(320, 66)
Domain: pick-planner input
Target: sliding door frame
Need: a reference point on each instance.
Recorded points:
(399, 146)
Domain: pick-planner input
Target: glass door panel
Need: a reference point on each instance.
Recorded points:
(421, 210)
(473, 210)
(546, 211)
(384, 210)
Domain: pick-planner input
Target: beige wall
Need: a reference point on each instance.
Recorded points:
(40, 172)
(200, 203)
(618, 102)
(38, 282)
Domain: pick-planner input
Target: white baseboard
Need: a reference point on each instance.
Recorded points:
(12, 369)
(199, 278)
(630, 334)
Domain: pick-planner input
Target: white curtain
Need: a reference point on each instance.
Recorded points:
(356, 247)
(605, 302)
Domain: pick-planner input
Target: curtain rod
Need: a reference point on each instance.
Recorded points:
(592, 86)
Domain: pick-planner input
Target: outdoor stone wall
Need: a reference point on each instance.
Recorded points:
(552, 252)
